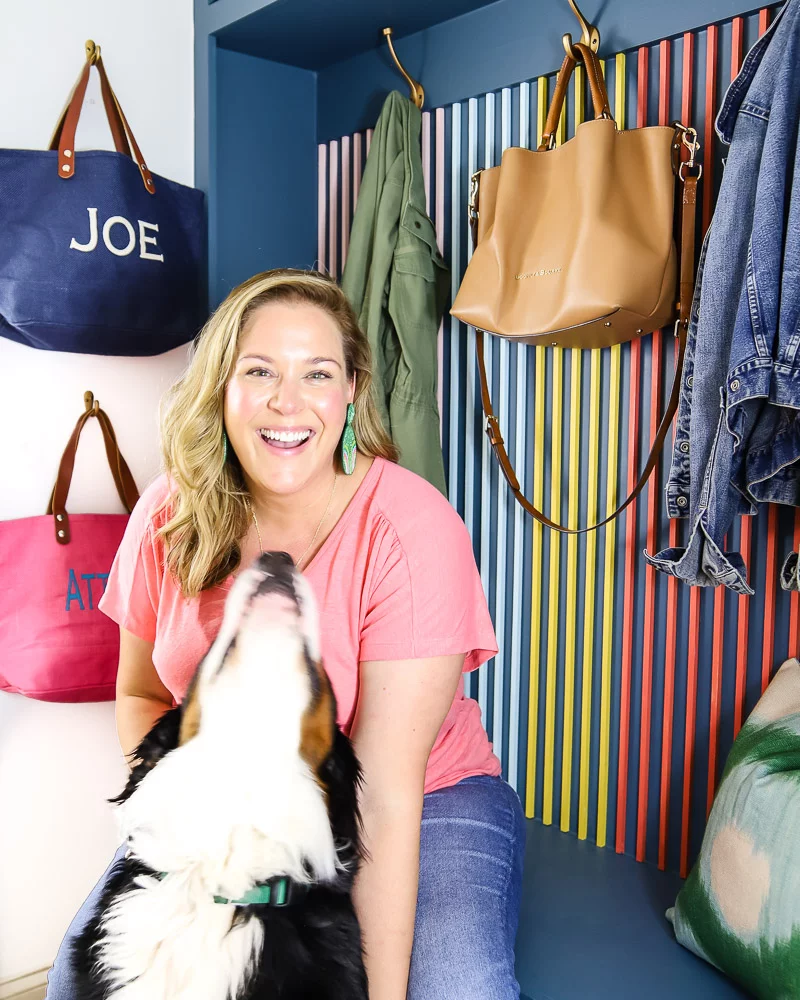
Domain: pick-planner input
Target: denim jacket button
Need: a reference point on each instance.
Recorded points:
(682, 501)
(690, 381)
(685, 447)
(734, 385)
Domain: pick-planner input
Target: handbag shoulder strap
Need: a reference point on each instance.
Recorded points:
(124, 141)
(123, 480)
(689, 201)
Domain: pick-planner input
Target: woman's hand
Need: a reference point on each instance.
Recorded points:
(401, 707)
(141, 696)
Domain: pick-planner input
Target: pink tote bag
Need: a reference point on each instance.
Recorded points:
(56, 645)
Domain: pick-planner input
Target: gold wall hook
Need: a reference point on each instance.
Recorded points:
(92, 52)
(590, 36)
(417, 93)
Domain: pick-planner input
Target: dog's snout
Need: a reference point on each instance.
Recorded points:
(276, 563)
(276, 574)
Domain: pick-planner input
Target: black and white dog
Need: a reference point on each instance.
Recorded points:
(241, 824)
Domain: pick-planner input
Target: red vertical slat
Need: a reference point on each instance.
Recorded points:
(743, 630)
(770, 583)
(687, 94)
(737, 45)
(719, 596)
(711, 102)
(794, 605)
(715, 709)
(630, 535)
(645, 719)
(691, 718)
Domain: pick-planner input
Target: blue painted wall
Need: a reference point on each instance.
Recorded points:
(265, 169)
(258, 124)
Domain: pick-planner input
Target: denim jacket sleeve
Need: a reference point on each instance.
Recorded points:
(737, 439)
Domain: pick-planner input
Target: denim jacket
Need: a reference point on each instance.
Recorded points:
(737, 436)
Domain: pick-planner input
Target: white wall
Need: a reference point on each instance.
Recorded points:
(58, 763)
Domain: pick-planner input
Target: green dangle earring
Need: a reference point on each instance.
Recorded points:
(224, 447)
(349, 442)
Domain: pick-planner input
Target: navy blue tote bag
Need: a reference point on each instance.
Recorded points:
(98, 255)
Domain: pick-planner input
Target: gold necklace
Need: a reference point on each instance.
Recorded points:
(319, 526)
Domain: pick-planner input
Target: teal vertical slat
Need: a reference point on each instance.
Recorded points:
(517, 625)
(486, 503)
(471, 518)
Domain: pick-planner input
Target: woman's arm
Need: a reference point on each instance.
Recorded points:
(141, 697)
(401, 707)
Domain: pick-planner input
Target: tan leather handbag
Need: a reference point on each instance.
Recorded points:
(574, 245)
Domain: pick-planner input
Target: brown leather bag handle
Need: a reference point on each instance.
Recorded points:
(597, 86)
(124, 140)
(114, 120)
(685, 290)
(123, 480)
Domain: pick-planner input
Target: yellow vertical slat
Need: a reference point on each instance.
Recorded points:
(561, 131)
(556, 418)
(611, 536)
(536, 552)
(587, 659)
(571, 609)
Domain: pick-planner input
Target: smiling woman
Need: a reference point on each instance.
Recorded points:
(258, 437)
(275, 369)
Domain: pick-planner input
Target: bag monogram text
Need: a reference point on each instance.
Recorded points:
(74, 590)
(145, 240)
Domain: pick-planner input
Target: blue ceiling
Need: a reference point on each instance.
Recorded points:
(333, 30)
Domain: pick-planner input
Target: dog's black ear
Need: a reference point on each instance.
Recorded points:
(162, 738)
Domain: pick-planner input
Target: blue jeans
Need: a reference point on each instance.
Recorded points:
(471, 849)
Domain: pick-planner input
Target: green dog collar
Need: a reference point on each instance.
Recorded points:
(272, 893)
(279, 891)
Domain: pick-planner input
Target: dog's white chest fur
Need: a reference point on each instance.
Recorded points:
(234, 806)
(169, 939)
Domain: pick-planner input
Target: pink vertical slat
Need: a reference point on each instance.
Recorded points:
(426, 158)
(439, 220)
(712, 54)
(439, 213)
(333, 208)
(322, 204)
(345, 197)
(357, 158)
(737, 45)
(667, 721)
(653, 498)
(631, 553)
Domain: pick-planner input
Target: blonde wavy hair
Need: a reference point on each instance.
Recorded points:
(208, 511)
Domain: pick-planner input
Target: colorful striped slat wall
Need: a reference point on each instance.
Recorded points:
(618, 690)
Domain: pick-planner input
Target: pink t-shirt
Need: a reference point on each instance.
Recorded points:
(396, 579)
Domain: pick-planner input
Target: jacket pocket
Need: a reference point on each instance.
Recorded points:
(417, 262)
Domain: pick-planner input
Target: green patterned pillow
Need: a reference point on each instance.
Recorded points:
(740, 907)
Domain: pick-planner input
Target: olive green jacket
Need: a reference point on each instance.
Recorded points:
(397, 283)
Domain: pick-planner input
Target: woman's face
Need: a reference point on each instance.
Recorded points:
(286, 401)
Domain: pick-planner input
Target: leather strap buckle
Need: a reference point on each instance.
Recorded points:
(493, 430)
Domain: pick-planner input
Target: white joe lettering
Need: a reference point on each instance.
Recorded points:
(145, 240)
